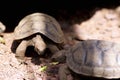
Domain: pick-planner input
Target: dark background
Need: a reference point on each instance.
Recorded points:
(11, 12)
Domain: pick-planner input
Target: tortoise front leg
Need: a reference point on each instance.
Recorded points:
(58, 55)
(39, 44)
(63, 72)
(53, 48)
(20, 51)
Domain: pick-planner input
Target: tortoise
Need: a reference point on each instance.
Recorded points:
(92, 58)
(39, 30)
(2, 27)
(2, 30)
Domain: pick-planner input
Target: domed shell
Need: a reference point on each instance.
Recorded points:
(39, 23)
(95, 58)
(2, 27)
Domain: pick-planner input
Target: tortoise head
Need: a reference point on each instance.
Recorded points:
(60, 56)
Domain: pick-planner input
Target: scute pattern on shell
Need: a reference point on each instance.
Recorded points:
(95, 58)
(39, 23)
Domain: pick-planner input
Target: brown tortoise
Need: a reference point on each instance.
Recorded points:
(95, 58)
(39, 30)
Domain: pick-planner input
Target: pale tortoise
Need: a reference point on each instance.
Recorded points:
(39, 30)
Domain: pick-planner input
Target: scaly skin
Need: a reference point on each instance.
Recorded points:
(38, 44)
(36, 41)
(97, 58)
(63, 72)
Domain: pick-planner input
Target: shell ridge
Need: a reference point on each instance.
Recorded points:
(39, 23)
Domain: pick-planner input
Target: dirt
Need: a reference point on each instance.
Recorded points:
(11, 69)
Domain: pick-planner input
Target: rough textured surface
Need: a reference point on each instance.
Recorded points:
(95, 58)
(39, 23)
(104, 25)
(10, 69)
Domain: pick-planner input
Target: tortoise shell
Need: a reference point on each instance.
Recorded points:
(2, 27)
(39, 23)
(96, 58)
